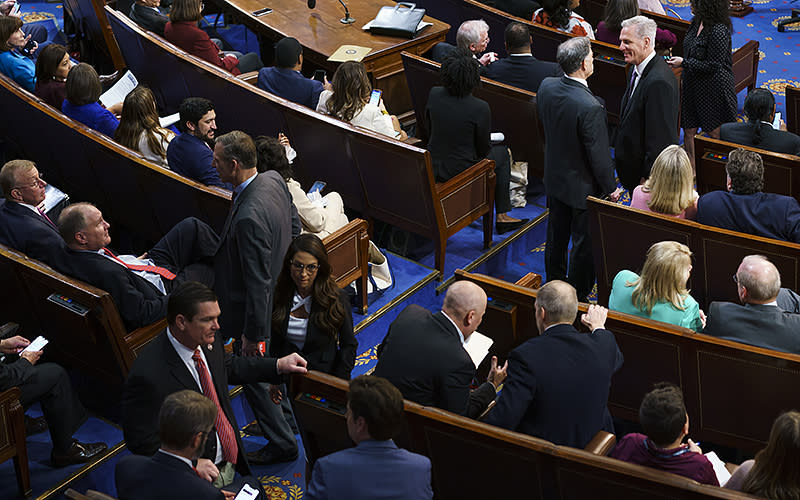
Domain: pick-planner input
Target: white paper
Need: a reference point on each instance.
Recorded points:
(477, 346)
(52, 197)
(497, 137)
(422, 24)
(166, 121)
(719, 468)
(120, 89)
(776, 123)
(37, 344)
(246, 493)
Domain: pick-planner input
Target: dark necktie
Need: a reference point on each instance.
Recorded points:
(161, 271)
(634, 77)
(230, 449)
(43, 214)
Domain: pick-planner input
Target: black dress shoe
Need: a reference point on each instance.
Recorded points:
(504, 227)
(253, 429)
(269, 455)
(79, 453)
(34, 425)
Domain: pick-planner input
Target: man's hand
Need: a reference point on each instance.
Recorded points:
(615, 195)
(31, 356)
(782, 125)
(250, 348)
(693, 446)
(229, 495)
(293, 363)
(14, 345)
(488, 58)
(595, 317)
(497, 374)
(275, 394)
(207, 470)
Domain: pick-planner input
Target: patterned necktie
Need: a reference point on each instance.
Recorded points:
(43, 214)
(230, 449)
(163, 272)
(634, 77)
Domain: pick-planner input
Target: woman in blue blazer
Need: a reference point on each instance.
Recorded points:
(82, 104)
(13, 63)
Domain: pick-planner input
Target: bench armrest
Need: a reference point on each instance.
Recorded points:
(601, 444)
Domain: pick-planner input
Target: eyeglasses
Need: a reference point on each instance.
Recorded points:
(38, 182)
(311, 268)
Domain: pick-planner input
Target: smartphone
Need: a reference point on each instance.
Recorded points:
(319, 75)
(262, 12)
(15, 10)
(318, 186)
(28, 47)
(375, 97)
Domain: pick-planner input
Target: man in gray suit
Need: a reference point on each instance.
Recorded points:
(253, 242)
(768, 317)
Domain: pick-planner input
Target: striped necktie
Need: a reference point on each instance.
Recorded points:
(230, 449)
(162, 271)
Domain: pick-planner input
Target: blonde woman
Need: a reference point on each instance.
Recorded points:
(669, 190)
(660, 292)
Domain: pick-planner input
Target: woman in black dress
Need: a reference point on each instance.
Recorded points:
(707, 98)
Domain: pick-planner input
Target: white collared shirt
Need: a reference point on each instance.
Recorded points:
(182, 459)
(460, 335)
(524, 54)
(580, 80)
(153, 278)
(36, 210)
(640, 69)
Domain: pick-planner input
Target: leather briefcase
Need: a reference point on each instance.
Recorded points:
(394, 21)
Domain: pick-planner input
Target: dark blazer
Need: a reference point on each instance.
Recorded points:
(777, 141)
(149, 18)
(755, 324)
(160, 477)
(28, 232)
(525, 72)
(291, 85)
(577, 162)
(557, 386)
(422, 356)
(762, 214)
(159, 371)
(191, 157)
(187, 36)
(649, 122)
(253, 242)
(333, 355)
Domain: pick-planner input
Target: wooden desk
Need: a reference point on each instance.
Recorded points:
(320, 33)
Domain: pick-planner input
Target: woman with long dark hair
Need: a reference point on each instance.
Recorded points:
(139, 128)
(52, 68)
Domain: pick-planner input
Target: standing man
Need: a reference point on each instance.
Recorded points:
(577, 163)
(253, 242)
(520, 68)
(649, 121)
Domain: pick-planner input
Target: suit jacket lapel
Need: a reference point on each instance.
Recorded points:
(176, 366)
(627, 98)
(236, 204)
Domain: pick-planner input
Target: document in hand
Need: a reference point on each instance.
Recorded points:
(477, 346)
(719, 468)
(120, 89)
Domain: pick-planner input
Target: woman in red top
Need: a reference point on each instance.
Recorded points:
(182, 31)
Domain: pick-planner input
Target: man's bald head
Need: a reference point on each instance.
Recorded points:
(465, 303)
(556, 302)
(758, 280)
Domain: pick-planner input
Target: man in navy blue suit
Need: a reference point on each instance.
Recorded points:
(520, 68)
(285, 80)
(558, 383)
(374, 415)
(745, 208)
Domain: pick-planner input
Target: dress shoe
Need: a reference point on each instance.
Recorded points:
(79, 453)
(504, 227)
(34, 425)
(253, 429)
(269, 455)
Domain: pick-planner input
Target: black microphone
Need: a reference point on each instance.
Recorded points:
(312, 4)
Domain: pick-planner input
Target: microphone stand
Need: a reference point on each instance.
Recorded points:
(346, 19)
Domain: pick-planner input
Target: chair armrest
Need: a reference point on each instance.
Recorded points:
(530, 280)
(601, 444)
(251, 77)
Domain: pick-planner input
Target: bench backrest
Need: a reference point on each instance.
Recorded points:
(792, 107)
(93, 26)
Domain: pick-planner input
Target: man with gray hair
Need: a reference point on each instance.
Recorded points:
(767, 316)
(558, 382)
(744, 207)
(423, 353)
(577, 163)
(473, 36)
(649, 117)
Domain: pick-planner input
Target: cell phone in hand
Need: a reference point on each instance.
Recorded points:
(375, 97)
(319, 75)
(318, 186)
(28, 47)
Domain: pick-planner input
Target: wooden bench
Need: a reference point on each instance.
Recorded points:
(781, 171)
(514, 110)
(504, 463)
(12, 438)
(97, 42)
(622, 235)
(708, 370)
(354, 162)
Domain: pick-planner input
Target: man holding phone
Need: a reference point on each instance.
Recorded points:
(285, 80)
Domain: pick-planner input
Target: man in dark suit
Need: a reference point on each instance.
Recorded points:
(757, 132)
(762, 320)
(23, 224)
(558, 382)
(744, 207)
(423, 354)
(190, 355)
(146, 13)
(520, 68)
(649, 121)
(253, 243)
(138, 285)
(577, 163)
(285, 80)
(473, 36)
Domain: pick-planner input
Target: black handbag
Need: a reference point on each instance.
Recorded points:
(394, 21)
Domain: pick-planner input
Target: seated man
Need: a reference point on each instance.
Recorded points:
(663, 417)
(745, 208)
(148, 15)
(558, 382)
(423, 354)
(185, 422)
(472, 36)
(138, 285)
(24, 226)
(285, 80)
(765, 318)
(190, 153)
(48, 384)
(374, 416)
(520, 68)
(190, 355)
(757, 131)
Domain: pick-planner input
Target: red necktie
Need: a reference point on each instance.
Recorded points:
(162, 271)
(43, 214)
(230, 449)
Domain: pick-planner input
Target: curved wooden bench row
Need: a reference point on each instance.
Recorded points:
(377, 176)
(710, 371)
(504, 464)
(12, 438)
(87, 15)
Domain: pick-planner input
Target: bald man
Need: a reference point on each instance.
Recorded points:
(766, 317)
(558, 382)
(423, 354)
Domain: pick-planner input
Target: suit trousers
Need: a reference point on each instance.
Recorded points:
(188, 250)
(502, 171)
(275, 421)
(563, 222)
